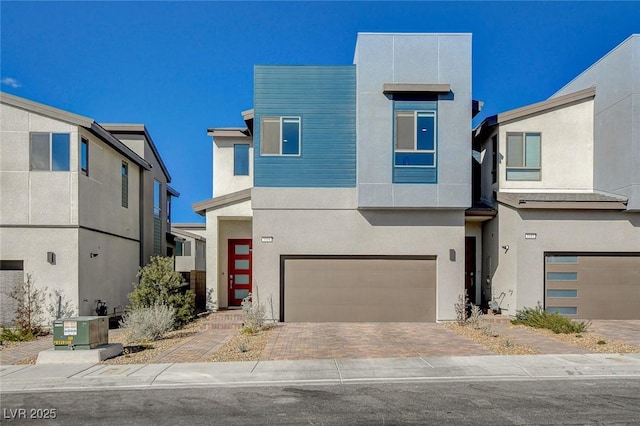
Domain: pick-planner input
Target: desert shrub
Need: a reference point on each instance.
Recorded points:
(160, 284)
(253, 313)
(475, 317)
(147, 323)
(28, 318)
(461, 308)
(539, 318)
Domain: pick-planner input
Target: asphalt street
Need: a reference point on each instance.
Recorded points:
(499, 402)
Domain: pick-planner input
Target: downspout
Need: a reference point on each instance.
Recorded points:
(141, 206)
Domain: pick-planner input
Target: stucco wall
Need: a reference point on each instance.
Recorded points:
(519, 272)
(566, 149)
(101, 192)
(326, 231)
(110, 275)
(38, 197)
(617, 119)
(32, 244)
(224, 181)
(413, 58)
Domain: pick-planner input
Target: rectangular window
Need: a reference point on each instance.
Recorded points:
(562, 293)
(494, 159)
(84, 156)
(563, 310)
(183, 248)
(50, 152)
(157, 220)
(124, 171)
(562, 259)
(415, 138)
(562, 276)
(280, 136)
(240, 160)
(523, 156)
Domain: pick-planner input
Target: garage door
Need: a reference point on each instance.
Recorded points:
(348, 289)
(11, 275)
(593, 286)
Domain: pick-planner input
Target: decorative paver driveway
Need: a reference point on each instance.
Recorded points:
(366, 340)
(625, 331)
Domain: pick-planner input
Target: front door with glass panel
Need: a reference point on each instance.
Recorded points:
(239, 280)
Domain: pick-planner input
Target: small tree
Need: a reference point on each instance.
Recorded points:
(29, 307)
(161, 284)
(60, 306)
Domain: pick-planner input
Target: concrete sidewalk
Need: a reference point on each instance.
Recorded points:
(18, 378)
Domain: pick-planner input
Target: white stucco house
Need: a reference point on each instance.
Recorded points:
(84, 204)
(564, 176)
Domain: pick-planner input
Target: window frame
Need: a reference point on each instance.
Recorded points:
(50, 151)
(281, 120)
(124, 176)
(416, 114)
(235, 163)
(524, 166)
(84, 156)
(157, 198)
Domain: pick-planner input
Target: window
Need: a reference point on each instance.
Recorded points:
(562, 293)
(157, 221)
(494, 159)
(523, 156)
(183, 248)
(562, 276)
(415, 138)
(50, 152)
(124, 171)
(280, 136)
(84, 157)
(240, 160)
(562, 259)
(564, 310)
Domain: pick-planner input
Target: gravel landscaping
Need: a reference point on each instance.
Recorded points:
(485, 336)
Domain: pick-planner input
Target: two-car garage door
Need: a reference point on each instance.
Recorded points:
(358, 288)
(593, 286)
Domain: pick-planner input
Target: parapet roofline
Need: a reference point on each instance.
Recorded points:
(230, 132)
(77, 120)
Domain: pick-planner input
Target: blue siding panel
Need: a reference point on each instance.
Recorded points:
(324, 97)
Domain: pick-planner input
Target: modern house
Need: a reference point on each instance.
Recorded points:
(84, 205)
(348, 195)
(190, 257)
(564, 176)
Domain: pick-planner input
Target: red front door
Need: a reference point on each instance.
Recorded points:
(239, 281)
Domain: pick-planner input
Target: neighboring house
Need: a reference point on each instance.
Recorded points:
(348, 196)
(564, 175)
(190, 246)
(82, 207)
(190, 258)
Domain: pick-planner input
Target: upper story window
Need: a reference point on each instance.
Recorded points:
(49, 152)
(241, 160)
(183, 248)
(280, 136)
(157, 194)
(84, 156)
(415, 138)
(494, 159)
(124, 172)
(523, 156)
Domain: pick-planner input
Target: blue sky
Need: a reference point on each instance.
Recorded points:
(183, 67)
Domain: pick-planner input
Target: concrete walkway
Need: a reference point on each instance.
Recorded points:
(21, 378)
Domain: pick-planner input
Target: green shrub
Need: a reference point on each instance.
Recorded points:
(160, 284)
(16, 335)
(148, 323)
(539, 318)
